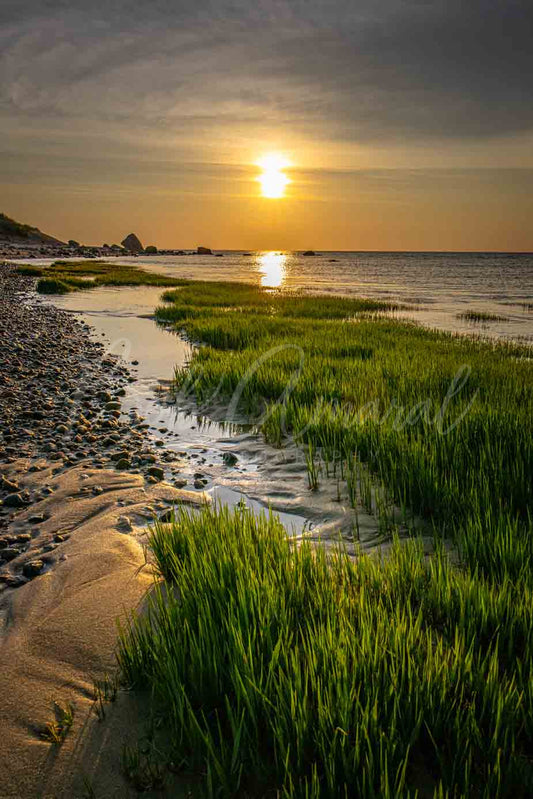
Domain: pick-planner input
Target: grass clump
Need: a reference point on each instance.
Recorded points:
(281, 671)
(48, 285)
(30, 271)
(56, 730)
(143, 770)
(64, 276)
(481, 316)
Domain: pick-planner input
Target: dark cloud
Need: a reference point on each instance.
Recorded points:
(357, 71)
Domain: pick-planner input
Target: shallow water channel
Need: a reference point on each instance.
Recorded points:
(230, 457)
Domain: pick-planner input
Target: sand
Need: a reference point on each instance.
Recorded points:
(59, 632)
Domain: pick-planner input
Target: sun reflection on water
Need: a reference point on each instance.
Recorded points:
(272, 268)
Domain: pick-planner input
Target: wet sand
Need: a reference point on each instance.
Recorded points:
(59, 631)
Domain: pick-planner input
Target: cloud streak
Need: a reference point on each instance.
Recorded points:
(387, 71)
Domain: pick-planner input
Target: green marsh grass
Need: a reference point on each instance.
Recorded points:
(444, 422)
(65, 276)
(284, 671)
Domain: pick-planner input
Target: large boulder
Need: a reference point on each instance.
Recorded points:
(151, 250)
(132, 243)
(204, 251)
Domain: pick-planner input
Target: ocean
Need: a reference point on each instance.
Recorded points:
(438, 287)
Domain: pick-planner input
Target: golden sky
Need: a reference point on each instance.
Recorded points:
(397, 125)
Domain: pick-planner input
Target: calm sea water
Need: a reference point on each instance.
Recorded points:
(440, 286)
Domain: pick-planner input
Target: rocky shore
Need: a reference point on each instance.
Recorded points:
(79, 483)
(60, 400)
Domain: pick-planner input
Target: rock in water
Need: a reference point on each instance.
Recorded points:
(132, 243)
(204, 251)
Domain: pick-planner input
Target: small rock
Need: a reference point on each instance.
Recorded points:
(122, 464)
(14, 501)
(12, 581)
(32, 568)
(157, 472)
(10, 553)
(39, 518)
(8, 485)
(124, 524)
(117, 456)
(167, 516)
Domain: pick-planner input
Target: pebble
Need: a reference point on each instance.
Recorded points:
(124, 524)
(10, 553)
(38, 518)
(32, 568)
(8, 485)
(60, 400)
(14, 501)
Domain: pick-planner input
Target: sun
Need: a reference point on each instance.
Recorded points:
(273, 180)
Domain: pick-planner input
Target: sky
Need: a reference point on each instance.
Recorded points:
(404, 124)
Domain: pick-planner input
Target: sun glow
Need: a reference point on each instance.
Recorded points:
(272, 269)
(273, 180)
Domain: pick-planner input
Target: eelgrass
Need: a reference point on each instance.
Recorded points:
(281, 671)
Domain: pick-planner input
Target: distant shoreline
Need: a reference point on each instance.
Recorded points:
(23, 251)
